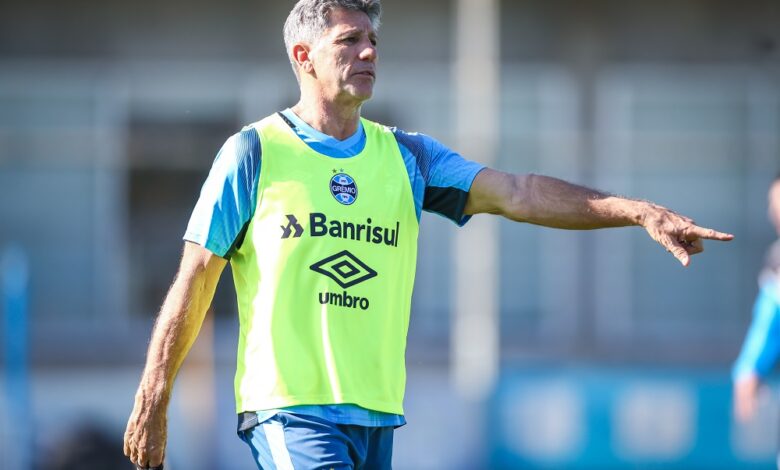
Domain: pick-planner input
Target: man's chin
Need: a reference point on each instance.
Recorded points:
(361, 94)
(365, 96)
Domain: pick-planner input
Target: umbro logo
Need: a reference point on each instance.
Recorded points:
(292, 228)
(344, 268)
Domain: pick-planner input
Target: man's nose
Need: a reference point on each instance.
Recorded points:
(368, 52)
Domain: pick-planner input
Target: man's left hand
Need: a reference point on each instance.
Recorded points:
(678, 234)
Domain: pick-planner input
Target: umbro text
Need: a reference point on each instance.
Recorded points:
(344, 300)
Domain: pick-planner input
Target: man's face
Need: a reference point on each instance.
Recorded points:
(344, 58)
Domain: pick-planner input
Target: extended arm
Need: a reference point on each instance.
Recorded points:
(551, 202)
(176, 328)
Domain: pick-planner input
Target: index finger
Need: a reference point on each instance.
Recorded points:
(709, 233)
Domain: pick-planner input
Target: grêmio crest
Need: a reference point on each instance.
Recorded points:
(343, 188)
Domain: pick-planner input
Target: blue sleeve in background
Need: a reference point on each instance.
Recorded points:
(762, 343)
(228, 197)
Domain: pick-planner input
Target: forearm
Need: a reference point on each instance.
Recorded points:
(177, 327)
(551, 202)
(175, 330)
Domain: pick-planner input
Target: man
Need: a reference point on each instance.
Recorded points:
(762, 343)
(321, 235)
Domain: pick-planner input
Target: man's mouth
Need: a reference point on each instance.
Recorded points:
(366, 73)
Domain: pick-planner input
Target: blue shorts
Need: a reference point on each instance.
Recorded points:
(293, 441)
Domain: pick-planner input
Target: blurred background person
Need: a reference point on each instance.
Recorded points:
(762, 343)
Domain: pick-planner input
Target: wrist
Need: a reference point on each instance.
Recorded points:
(630, 211)
(154, 392)
(641, 213)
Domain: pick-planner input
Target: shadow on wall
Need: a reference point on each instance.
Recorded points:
(88, 447)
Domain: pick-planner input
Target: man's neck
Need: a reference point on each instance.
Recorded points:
(335, 120)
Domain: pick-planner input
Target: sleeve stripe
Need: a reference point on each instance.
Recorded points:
(449, 202)
(417, 148)
(249, 153)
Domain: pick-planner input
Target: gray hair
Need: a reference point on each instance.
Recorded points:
(310, 18)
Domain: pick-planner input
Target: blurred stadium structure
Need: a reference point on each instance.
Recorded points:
(609, 354)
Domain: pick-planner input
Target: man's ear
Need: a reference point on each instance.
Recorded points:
(300, 53)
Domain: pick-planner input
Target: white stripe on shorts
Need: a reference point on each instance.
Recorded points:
(274, 434)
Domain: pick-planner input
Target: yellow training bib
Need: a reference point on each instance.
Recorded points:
(324, 276)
